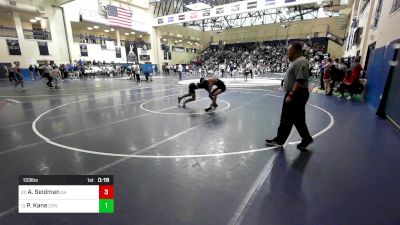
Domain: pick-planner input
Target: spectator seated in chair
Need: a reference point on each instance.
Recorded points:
(351, 83)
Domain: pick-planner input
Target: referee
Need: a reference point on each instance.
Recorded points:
(293, 108)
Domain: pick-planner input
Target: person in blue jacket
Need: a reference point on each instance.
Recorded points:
(148, 71)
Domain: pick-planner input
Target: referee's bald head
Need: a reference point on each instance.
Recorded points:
(295, 50)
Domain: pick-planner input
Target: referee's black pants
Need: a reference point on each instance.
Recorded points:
(293, 113)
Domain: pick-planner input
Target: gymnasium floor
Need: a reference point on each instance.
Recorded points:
(176, 165)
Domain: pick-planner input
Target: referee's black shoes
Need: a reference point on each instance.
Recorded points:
(273, 142)
(304, 144)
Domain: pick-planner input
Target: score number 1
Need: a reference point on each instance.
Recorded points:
(106, 199)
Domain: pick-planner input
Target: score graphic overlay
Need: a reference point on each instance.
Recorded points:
(66, 194)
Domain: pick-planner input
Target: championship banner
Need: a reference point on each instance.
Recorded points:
(179, 49)
(131, 52)
(144, 58)
(43, 48)
(245, 6)
(110, 45)
(13, 47)
(118, 52)
(84, 50)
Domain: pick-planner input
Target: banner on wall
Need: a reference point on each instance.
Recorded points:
(118, 52)
(84, 50)
(110, 45)
(131, 52)
(13, 47)
(144, 58)
(179, 49)
(234, 8)
(252, 5)
(43, 48)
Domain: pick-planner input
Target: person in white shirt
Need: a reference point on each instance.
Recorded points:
(222, 69)
(136, 70)
(46, 73)
(180, 69)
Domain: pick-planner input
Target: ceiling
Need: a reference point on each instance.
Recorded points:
(81, 27)
(41, 2)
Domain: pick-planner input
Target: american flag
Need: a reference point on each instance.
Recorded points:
(119, 17)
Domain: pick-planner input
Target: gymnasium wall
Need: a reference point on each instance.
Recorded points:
(385, 31)
(72, 12)
(96, 53)
(29, 48)
(297, 29)
(183, 58)
(335, 49)
(378, 71)
(169, 33)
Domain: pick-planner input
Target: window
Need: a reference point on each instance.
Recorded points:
(395, 6)
(364, 4)
(377, 14)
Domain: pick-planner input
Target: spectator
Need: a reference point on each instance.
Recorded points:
(136, 69)
(18, 75)
(351, 82)
(31, 71)
(180, 69)
(327, 75)
(11, 74)
(36, 72)
(3, 72)
(338, 71)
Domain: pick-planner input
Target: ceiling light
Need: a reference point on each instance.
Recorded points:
(140, 36)
(180, 40)
(96, 27)
(89, 28)
(176, 41)
(132, 32)
(164, 39)
(126, 33)
(112, 29)
(33, 20)
(106, 31)
(38, 18)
